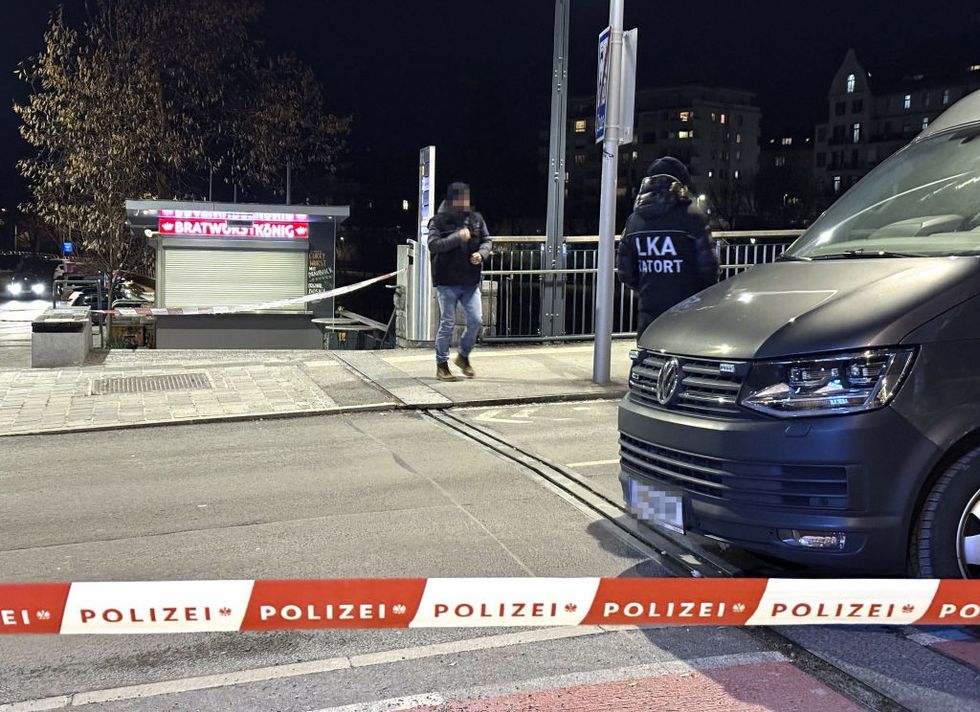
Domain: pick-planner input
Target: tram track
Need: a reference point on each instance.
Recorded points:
(677, 557)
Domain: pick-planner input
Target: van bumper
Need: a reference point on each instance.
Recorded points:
(751, 482)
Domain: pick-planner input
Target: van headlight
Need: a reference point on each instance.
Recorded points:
(826, 385)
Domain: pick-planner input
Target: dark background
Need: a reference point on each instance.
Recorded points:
(473, 78)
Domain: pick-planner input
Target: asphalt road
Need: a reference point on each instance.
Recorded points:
(378, 495)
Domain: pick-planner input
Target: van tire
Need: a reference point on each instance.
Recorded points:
(934, 545)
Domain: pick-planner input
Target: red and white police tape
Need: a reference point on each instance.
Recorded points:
(277, 304)
(203, 606)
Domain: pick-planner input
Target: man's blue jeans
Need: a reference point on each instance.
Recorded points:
(469, 297)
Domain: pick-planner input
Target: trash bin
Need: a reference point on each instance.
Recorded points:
(61, 337)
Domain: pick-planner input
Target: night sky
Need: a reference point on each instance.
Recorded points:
(474, 77)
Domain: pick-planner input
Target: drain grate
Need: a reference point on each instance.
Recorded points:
(146, 384)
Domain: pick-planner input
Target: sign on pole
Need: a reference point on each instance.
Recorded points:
(602, 86)
(628, 87)
(427, 176)
(422, 324)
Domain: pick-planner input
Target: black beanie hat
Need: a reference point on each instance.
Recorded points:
(670, 166)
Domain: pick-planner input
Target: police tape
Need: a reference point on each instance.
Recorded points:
(261, 605)
(237, 309)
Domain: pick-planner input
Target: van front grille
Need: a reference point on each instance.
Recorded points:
(792, 486)
(709, 387)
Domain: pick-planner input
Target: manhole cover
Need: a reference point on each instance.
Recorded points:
(146, 384)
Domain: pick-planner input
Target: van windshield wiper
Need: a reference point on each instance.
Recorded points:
(792, 258)
(866, 254)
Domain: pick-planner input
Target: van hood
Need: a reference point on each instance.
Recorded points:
(791, 308)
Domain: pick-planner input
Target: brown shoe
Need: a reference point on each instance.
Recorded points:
(443, 373)
(464, 365)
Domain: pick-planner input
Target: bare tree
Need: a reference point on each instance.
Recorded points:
(148, 97)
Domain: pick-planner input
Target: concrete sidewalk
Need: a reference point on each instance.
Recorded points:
(123, 389)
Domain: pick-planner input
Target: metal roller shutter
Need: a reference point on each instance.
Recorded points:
(217, 278)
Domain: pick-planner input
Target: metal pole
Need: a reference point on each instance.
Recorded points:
(607, 206)
(289, 182)
(553, 295)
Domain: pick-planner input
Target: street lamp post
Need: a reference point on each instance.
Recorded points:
(607, 206)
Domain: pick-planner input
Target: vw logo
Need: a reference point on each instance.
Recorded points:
(668, 381)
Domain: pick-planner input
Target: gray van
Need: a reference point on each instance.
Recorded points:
(825, 409)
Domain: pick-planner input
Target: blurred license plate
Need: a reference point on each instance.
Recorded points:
(656, 506)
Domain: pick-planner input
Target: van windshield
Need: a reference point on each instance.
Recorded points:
(922, 202)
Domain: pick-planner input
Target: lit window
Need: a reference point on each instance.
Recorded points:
(856, 133)
(580, 126)
(925, 122)
(404, 205)
(837, 184)
(946, 97)
(851, 81)
(787, 142)
(686, 115)
(975, 67)
(579, 159)
(738, 138)
(780, 161)
(636, 155)
(714, 117)
(685, 134)
(737, 173)
(908, 102)
(724, 118)
(738, 156)
(711, 174)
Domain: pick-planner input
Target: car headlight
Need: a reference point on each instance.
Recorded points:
(37, 288)
(826, 385)
(14, 288)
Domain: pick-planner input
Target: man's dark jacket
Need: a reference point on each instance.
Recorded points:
(666, 254)
(450, 253)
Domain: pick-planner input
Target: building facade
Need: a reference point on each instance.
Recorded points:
(716, 132)
(870, 117)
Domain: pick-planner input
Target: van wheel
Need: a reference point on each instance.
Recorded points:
(946, 539)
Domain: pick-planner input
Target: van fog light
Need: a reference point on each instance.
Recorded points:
(813, 540)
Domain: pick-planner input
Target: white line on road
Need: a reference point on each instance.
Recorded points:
(593, 463)
(661, 668)
(279, 672)
(395, 703)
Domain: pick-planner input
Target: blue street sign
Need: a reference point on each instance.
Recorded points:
(602, 86)
(67, 248)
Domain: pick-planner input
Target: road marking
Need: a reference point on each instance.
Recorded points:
(662, 668)
(593, 463)
(280, 672)
(491, 417)
(524, 416)
(395, 703)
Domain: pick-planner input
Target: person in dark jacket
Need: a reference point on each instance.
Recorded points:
(665, 255)
(459, 243)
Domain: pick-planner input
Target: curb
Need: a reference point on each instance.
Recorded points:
(237, 418)
(340, 410)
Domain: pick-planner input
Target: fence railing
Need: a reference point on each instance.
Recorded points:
(518, 271)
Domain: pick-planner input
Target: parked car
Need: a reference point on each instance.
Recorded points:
(826, 409)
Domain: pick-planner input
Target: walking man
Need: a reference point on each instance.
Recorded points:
(665, 254)
(459, 244)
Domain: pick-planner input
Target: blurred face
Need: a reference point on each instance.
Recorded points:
(461, 201)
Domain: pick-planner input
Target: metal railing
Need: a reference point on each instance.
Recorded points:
(518, 271)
